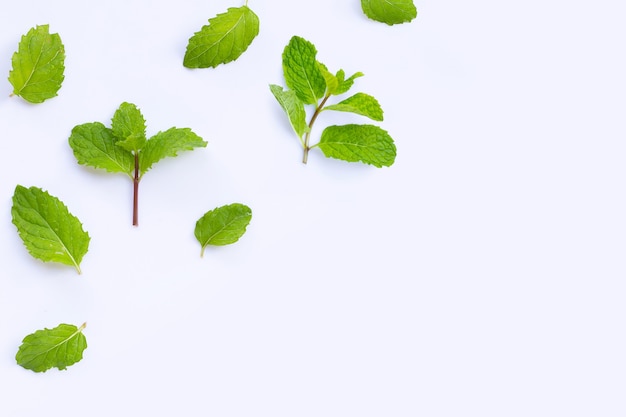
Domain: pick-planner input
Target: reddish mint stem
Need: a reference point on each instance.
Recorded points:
(135, 192)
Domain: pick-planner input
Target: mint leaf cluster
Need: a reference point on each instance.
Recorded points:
(310, 83)
(125, 148)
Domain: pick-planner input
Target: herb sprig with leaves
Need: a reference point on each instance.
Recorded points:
(309, 82)
(125, 148)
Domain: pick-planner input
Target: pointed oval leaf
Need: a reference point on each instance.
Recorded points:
(301, 70)
(223, 40)
(391, 12)
(94, 145)
(362, 104)
(59, 347)
(47, 228)
(168, 143)
(358, 143)
(129, 127)
(38, 65)
(223, 225)
(294, 108)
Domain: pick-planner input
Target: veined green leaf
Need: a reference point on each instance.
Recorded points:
(332, 82)
(360, 103)
(358, 143)
(59, 347)
(294, 108)
(301, 71)
(47, 228)
(38, 65)
(223, 225)
(168, 143)
(94, 145)
(129, 127)
(390, 12)
(345, 84)
(223, 40)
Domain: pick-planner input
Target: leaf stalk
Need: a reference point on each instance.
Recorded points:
(136, 191)
(307, 135)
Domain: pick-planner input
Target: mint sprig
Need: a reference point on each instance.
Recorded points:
(124, 147)
(310, 83)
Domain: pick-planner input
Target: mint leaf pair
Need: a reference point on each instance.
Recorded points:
(38, 65)
(47, 228)
(124, 147)
(223, 40)
(309, 82)
(391, 12)
(59, 348)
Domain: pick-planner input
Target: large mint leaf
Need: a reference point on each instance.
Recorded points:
(223, 225)
(294, 108)
(360, 103)
(47, 228)
(223, 40)
(168, 143)
(129, 127)
(38, 65)
(95, 145)
(358, 143)
(390, 12)
(302, 72)
(59, 348)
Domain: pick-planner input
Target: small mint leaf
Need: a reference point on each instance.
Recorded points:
(59, 348)
(360, 103)
(345, 85)
(301, 71)
(332, 82)
(391, 12)
(223, 225)
(358, 143)
(129, 127)
(294, 108)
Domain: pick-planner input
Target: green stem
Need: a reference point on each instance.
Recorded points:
(136, 192)
(307, 136)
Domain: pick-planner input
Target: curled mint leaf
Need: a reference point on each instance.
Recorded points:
(391, 12)
(38, 65)
(360, 103)
(59, 347)
(358, 143)
(223, 40)
(293, 107)
(223, 225)
(47, 228)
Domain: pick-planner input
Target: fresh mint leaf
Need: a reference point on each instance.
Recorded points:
(362, 104)
(123, 147)
(38, 65)
(223, 40)
(358, 143)
(345, 84)
(391, 12)
(129, 126)
(168, 143)
(59, 347)
(223, 225)
(294, 108)
(302, 72)
(47, 228)
(332, 81)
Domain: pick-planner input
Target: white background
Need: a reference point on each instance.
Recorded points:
(481, 275)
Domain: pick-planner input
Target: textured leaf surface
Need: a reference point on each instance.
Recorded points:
(168, 143)
(47, 228)
(94, 145)
(294, 108)
(223, 225)
(129, 127)
(302, 72)
(59, 348)
(223, 40)
(345, 84)
(360, 103)
(358, 143)
(38, 65)
(390, 12)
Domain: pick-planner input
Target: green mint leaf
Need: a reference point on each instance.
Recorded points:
(390, 12)
(332, 82)
(362, 104)
(301, 71)
(59, 348)
(94, 145)
(38, 65)
(129, 127)
(358, 143)
(345, 85)
(294, 108)
(47, 228)
(223, 225)
(168, 143)
(223, 40)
